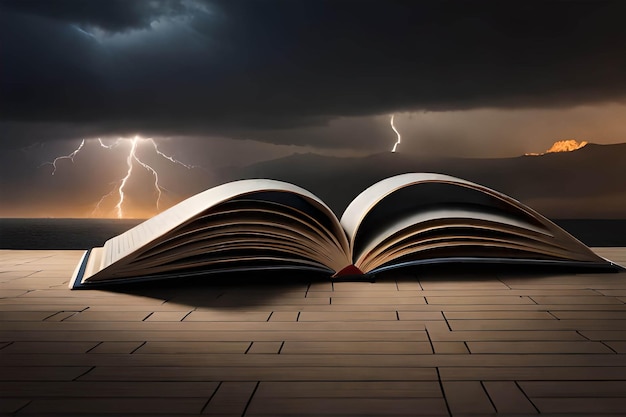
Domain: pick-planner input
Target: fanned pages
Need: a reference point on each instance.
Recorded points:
(400, 221)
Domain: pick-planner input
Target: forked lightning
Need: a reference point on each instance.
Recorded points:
(131, 160)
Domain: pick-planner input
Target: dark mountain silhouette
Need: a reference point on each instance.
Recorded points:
(586, 183)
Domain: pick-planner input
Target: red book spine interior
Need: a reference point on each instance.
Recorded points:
(348, 270)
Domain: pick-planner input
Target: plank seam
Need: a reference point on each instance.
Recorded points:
(211, 397)
(482, 384)
(443, 392)
(93, 347)
(187, 315)
(250, 399)
(137, 348)
(432, 347)
(527, 397)
(84, 373)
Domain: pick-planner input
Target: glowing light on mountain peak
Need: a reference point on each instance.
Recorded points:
(568, 145)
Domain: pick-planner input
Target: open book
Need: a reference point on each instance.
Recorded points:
(261, 224)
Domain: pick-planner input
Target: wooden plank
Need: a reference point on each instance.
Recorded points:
(284, 316)
(594, 406)
(41, 373)
(467, 397)
(592, 280)
(494, 300)
(533, 373)
(265, 347)
(373, 300)
(227, 316)
(347, 316)
(531, 292)
(108, 316)
(604, 335)
(342, 348)
(529, 286)
(617, 346)
(613, 293)
(373, 287)
(574, 389)
(162, 316)
(120, 389)
(505, 335)
(537, 325)
(593, 315)
(499, 315)
(235, 373)
(597, 299)
(12, 405)
(346, 406)
(26, 315)
(48, 347)
(364, 294)
(192, 347)
(420, 315)
(524, 347)
(148, 405)
(450, 348)
(231, 398)
(10, 293)
(74, 300)
(468, 283)
(107, 348)
(507, 398)
(215, 336)
(357, 389)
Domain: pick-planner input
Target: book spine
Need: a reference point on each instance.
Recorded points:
(348, 271)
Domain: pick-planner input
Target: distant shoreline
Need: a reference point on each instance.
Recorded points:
(50, 234)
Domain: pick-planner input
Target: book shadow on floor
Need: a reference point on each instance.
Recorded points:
(229, 290)
(237, 290)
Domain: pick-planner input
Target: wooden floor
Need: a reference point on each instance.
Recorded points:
(444, 342)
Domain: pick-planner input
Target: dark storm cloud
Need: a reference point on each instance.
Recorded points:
(110, 15)
(236, 67)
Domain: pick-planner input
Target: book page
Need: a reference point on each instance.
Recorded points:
(447, 218)
(413, 200)
(131, 244)
(366, 200)
(472, 231)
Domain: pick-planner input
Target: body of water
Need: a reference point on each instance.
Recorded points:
(87, 233)
(60, 233)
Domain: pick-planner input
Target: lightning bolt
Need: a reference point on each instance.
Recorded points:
(168, 157)
(113, 145)
(70, 157)
(131, 160)
(399, 140)
(132, 157)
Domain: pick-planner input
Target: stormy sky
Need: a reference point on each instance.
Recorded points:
(237, 81)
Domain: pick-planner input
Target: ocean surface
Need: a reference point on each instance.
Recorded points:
(87, 233)
(60, 233)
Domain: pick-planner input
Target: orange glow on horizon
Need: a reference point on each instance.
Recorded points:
(567, 145)
(77, 211)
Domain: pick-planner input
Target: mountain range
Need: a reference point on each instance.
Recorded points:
(589, 182)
